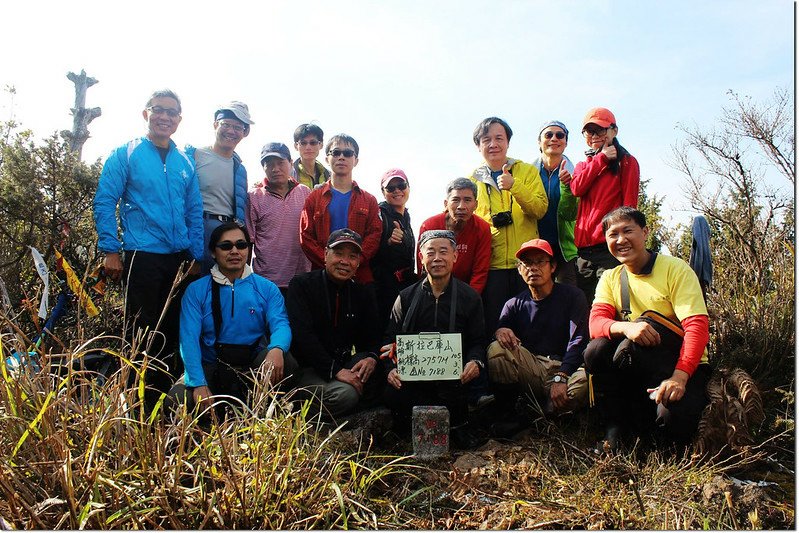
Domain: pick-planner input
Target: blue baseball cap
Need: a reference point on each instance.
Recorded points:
(275, 150)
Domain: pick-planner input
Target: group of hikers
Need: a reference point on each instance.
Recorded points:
(303, 280)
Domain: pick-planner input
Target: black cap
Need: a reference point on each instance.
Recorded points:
(344, 235)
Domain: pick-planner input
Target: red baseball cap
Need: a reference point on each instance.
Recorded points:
(390, 175)
(535, 244)
(600, 116)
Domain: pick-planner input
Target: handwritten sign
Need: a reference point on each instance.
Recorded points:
(429, 356)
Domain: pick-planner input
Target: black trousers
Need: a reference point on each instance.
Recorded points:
(592, 261)
(621, 396)
(232, 381)
(148, 278)
(450, 393)
(501, 286)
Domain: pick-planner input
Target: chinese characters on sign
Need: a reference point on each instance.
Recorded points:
(429, 356)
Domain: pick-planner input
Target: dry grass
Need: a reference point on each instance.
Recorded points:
(76, 455)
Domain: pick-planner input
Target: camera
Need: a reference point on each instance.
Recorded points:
(502, 219)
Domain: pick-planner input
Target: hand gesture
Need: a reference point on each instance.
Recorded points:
(202, 397)
(564, 175)
(470, 371)
(389, 351)
(396, 234)
(394, 379)
(346, 375)
(505, 180)
(558, 392)
(610, 149)
(113, 266)
(641, 333)
(507, 339)
(364, 368)
(273, 365)
(670, 390)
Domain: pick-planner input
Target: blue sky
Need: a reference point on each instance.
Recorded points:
(409, 80)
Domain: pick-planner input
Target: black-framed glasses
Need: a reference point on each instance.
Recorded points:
(227, 245)
(309, 143)
(401, 186)
(158, 110)
(557, 134)
(338, 153)
(238, 128)
(534, 264)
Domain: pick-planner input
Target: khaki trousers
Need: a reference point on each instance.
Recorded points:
(534, 372)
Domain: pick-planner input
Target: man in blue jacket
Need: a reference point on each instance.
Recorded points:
(232, 322)
(222, 177)
(154, 186)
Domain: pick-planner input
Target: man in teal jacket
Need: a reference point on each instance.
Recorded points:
(154, 186)
(557, 226)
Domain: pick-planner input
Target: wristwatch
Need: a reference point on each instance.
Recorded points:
(560, 378)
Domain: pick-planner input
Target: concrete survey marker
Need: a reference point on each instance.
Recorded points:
(430, 431)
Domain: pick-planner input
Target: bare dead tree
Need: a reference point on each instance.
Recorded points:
(733, 171)
(81, 116)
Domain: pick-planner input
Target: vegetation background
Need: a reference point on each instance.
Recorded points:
(76, 453)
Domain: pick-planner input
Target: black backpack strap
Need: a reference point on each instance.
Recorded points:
(418, 292)
(453, 303)
(236, 164)
(625, 295)
(216, 309)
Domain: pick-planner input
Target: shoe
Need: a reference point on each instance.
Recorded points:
(508, 428)
(481, 402)
(611, 442)
(463, 438)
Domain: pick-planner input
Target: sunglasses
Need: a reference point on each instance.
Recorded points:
(345, 153)
(391, 188)
(557, 134)
(227, 245)
(309, 143)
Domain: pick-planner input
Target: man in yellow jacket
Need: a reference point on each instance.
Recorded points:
(511, 198)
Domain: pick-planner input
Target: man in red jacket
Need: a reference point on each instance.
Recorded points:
(472, 233)
(607, 179)
(338, 204)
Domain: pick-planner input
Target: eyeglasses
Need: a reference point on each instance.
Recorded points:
(238, 128)
(158, 110)
(227, 245)
(338, 153)
(534, 264)
(391, 188)
(309, 143)
(591, 132)
(557, 134)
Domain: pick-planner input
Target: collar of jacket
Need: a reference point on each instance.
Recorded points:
(172, 144)
(328, 186)
(483, 173)
(265, 184)
(428, 288)
(223, 279)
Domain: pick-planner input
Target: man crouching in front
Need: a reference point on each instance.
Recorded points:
(444, 304)
(232, 323)
(649, 324)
